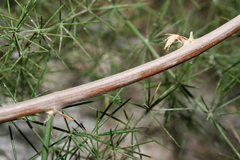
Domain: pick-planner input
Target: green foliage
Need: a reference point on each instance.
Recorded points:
(47, 46)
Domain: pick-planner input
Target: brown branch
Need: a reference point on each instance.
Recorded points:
(86, 91)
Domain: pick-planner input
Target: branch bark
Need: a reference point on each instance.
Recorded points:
(62, 98)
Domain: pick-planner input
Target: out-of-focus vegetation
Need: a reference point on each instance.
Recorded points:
(188, 112)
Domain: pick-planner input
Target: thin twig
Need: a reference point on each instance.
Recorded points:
(86, 91)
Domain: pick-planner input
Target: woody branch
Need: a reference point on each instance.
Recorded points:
(62, 98)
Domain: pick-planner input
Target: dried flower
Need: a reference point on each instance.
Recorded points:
(175, 37)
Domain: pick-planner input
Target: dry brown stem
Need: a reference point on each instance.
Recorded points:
(86, 91)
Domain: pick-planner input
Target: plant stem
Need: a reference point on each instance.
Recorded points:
(47, 137)
(60, 99)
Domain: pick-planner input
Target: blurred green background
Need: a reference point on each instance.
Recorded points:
(188, 112)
